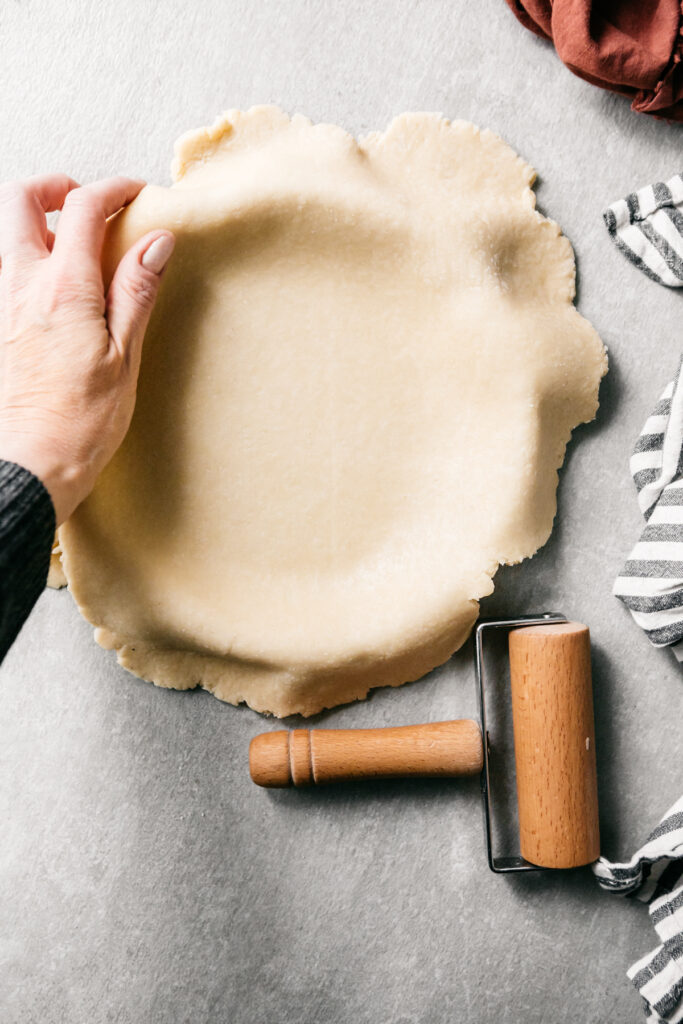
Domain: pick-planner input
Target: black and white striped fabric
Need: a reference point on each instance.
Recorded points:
(654, 875)
(648, 228)
(651, 582)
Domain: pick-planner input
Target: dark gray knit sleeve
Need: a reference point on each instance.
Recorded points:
(27, 528)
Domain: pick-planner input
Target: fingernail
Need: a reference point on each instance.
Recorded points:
(156, 256)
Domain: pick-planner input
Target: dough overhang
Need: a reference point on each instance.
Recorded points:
(356, 390)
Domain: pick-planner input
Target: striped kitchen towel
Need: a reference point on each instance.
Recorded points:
(651, 582)
(655, 876)
(648, 228)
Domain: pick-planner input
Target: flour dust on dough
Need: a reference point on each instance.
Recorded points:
(356, 390)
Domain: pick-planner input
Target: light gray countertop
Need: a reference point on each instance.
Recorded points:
(143, 878)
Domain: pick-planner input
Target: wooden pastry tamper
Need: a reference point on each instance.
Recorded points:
(552, 712)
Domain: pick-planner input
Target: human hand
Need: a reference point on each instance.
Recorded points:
(69, 355)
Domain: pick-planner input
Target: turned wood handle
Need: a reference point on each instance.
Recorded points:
(305, 757)
(552, 710)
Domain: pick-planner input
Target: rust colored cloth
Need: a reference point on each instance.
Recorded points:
(634, 47)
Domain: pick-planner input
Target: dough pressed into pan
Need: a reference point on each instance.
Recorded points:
(356, 390)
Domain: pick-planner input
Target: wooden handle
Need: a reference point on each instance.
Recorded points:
(302, 757)
(552, 709)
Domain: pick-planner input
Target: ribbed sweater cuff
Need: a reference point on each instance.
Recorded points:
(27, 527)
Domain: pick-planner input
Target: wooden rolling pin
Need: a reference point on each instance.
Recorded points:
(552, 713)
(552, 709)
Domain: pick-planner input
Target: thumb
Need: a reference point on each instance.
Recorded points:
(133, 291)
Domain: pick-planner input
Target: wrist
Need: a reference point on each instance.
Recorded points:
(60, 479)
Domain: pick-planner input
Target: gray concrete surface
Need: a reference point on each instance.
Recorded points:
(143, 879)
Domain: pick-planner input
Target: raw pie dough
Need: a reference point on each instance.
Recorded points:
(357, 387)
(55, 577)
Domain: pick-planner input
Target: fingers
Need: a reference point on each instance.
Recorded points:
(51, 189)
(133, 291)
(80, 232)
(23, 205)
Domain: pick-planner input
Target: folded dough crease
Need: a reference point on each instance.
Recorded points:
(356, 391)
